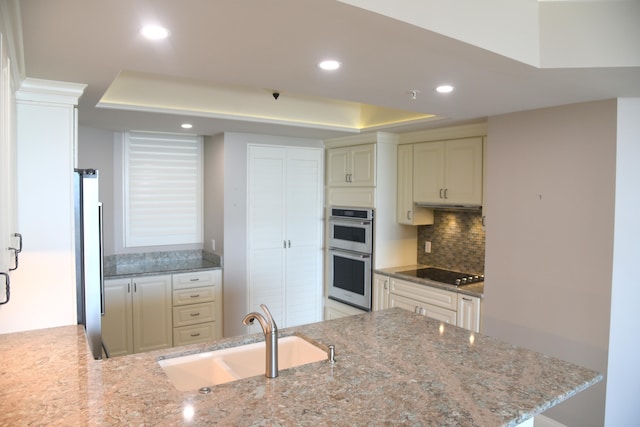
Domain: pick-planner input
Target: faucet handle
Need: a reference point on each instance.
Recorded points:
(269, 316)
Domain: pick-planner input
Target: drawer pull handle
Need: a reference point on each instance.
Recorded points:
(195, 296)
(194, 280)
(195, 314)
(467, 299)
(196, 335)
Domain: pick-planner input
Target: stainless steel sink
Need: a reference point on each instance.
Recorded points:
(199, 370)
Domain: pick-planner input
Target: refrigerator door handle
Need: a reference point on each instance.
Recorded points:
(100, 226)
(7, 284)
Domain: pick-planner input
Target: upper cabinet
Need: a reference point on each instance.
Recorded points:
(351, 166)
(448, 172)
(407, 212)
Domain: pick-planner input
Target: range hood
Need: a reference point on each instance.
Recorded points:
(446, 207)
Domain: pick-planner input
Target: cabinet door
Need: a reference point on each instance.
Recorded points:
(428, 172)
(363, 171)
(336, 310)
(266, 229)
(404, 303)
(380, 292)
(338, 166)
(469, 312)
(117, 322)
(303, 230)
(407, 212)
(152, 323)
(463, 171)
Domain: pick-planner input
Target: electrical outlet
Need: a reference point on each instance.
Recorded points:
(427, 247)
(213, 245)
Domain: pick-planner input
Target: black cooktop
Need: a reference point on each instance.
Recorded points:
(444, 276)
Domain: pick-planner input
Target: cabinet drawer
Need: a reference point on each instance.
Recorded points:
(418, 307)
(195, 279)
(194, 314)
(194, 295)
(193, 334)
(424, 293)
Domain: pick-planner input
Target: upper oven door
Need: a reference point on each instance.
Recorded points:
(351, 234)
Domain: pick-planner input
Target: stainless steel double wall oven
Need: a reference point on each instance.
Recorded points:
(350, 256)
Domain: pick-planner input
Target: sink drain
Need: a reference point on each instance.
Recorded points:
(205, 390)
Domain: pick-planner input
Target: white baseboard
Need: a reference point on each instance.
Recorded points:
(542, 421)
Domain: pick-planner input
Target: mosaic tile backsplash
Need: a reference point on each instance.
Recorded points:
(457, 241)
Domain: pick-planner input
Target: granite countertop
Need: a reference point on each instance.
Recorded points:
(159, 267)
(392, 367)
(474, 289)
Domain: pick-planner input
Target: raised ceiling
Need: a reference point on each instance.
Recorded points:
(225, 58)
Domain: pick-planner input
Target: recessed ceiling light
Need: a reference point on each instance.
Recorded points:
(329, 65)
(444, 89)
(154, 32)
(186, 126)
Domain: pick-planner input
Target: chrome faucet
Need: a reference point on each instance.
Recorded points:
(270, 331)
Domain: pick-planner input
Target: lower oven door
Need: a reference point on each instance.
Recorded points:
(350, 278)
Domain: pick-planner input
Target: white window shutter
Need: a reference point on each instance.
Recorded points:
(163, 189)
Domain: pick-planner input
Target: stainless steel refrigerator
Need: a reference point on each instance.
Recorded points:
(89, 275)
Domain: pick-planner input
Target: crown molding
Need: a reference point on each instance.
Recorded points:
(39, 90)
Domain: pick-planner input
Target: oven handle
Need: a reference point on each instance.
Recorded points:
(339, 219)
(349, 254)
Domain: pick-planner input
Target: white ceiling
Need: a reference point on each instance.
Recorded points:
(264, 46)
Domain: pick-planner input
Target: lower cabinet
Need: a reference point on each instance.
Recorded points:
(380, 292)
(426, 300)
(137, 314)
(197, 307)
(153, 312)
(469, 312)
(335, 310)
(447, 306)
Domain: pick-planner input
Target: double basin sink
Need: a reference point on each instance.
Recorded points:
(210, 368)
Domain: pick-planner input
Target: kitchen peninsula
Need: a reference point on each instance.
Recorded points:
(392, 367)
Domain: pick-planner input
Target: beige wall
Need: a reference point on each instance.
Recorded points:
(549, 246)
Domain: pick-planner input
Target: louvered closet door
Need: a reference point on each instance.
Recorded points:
(266, 229)
(303, 260)
(285, 232)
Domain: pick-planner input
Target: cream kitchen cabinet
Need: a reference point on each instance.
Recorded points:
(380, 292)
(448, 172)
(351, 166)
(425, 300)
(197, 307)
(420, 307)
(335, 310)
(137, 314)
(407, 212)
(469, 312)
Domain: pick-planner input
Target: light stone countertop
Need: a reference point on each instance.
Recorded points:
(393, 368)
(474, 289)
